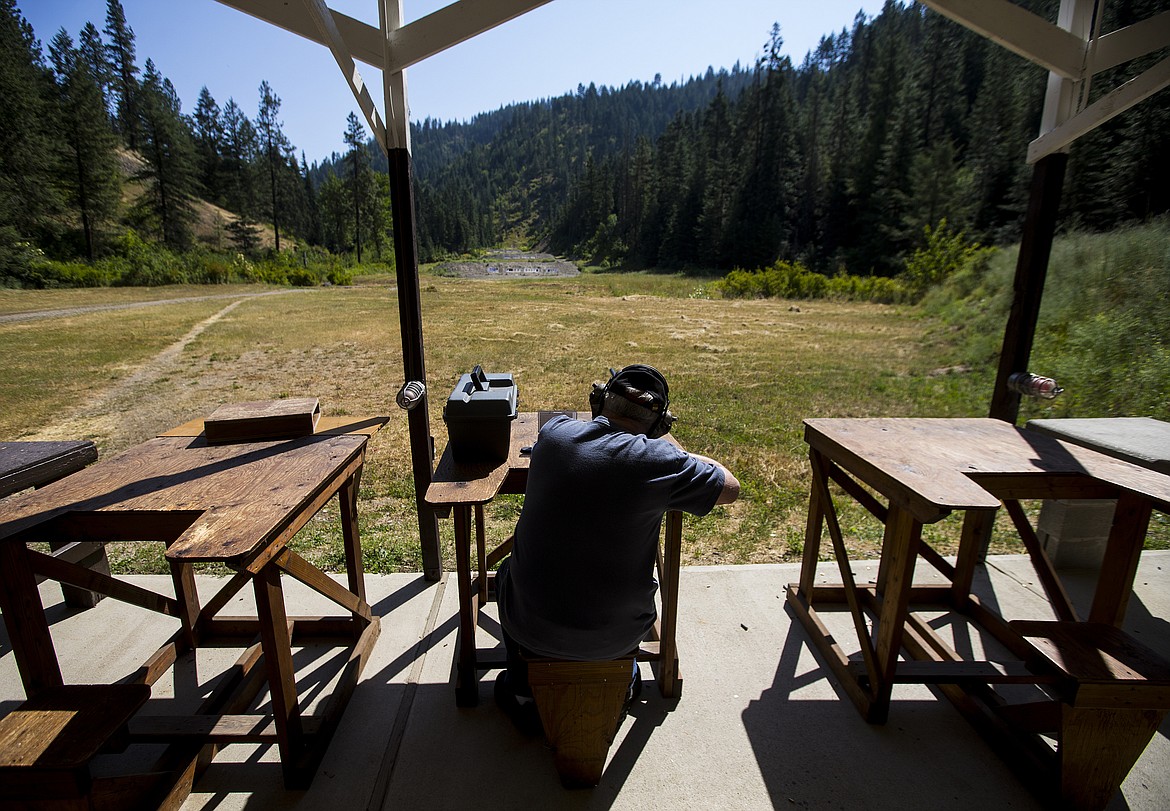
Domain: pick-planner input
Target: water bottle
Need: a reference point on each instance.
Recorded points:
(1032, 385)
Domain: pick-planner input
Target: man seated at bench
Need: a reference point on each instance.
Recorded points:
(579, 584)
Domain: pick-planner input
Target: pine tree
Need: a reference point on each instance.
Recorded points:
(170, 172)
(335, 218)
(92, 51)
(313, 223)
(239, 153)
(209, 145)
(273, 142)
(123, 72)
(28, 197)
(89, 167)
(359, 183)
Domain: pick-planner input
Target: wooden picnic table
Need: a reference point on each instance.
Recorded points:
(236, 504)
(34, 464)
(463, 488)
(926, 469)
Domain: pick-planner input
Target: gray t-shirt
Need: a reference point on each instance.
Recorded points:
(580, 580)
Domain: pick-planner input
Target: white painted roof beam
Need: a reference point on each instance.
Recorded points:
(394, 83)
(1117, 101)
(1139, 39)
(1020, 31)
(410, 44)
(363, 41)
(321, 17)
(449, 26)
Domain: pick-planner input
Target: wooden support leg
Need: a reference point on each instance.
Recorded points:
(24, 617)
(1098, 747)
(815, 525)
(977, 526)
(277, 645)
(466, 681)
(481, 553)
(354, 567)
(900, 549)
(669, 682)
(1131, 520)
(183, 576)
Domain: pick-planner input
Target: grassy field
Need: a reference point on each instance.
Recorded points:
(743, 375)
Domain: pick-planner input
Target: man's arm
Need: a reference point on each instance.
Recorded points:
(730, 490)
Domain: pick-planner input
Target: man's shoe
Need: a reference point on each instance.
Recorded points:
(521, 711)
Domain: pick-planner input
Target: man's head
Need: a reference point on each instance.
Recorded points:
(638, 396)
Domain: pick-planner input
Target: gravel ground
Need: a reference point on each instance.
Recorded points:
(510, 264)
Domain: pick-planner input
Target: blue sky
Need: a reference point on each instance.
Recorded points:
(545, 53)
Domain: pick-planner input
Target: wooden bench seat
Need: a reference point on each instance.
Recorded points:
(580, 706)
(47, 743)
(1115, 692)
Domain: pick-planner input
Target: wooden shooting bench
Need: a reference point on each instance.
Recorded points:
(35, 464)
(1102, 693)
(238, 504)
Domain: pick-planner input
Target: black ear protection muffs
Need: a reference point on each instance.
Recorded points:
(643, 378)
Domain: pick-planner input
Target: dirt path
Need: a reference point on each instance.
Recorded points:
(36, 315)
(116, 412)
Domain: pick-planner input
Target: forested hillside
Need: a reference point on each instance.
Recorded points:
(840, 163)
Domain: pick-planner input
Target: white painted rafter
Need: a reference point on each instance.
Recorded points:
(1073, 50)
(392, 47)
(1117, 101)
(449, 26)
(1139, 39)
(364, 41)
(1020, 31)
(327, 28)
(394, 82)
(410, 43)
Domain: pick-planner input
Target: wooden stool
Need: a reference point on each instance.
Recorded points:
(580, 706)
(1116, 694)
(47, 743)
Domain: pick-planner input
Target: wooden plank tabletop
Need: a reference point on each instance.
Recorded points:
(33, 464)
(455, 483)
(934, 466)
(235, 496)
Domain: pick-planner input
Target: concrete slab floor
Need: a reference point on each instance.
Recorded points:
(760, 724)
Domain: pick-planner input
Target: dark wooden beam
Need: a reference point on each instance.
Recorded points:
(422, 451)
(1028, 287)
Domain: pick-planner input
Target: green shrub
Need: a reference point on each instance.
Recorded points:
(302, 277)
(944, 254)
(339, 276)
(793, 280)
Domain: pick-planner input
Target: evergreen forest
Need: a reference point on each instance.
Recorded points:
(847, 163)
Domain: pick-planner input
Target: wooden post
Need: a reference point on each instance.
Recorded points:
(1028, 287)
(401, 169)
(413, 362)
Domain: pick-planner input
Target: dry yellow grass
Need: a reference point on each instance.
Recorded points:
(743, 375)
